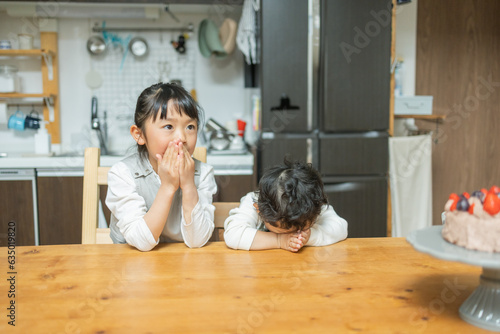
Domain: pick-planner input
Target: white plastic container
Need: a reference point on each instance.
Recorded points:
(413, 105)
(9, 81)
(25, 41)
(42, 140)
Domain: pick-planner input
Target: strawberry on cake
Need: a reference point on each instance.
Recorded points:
(473, 221)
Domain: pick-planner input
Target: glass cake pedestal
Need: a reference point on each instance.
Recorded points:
(482, 308)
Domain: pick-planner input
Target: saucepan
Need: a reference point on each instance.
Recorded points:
(96, 45)
(220, 137)
(219, 140)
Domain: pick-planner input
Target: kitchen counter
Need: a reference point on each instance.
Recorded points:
(237, 164)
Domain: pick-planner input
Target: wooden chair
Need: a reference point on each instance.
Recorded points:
(94, 176)
(221, 213)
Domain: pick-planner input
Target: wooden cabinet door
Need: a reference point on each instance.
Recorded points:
(60, 209)
(355, 62)
(16, 205)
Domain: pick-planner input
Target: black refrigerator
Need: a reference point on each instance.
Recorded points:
(325, 87)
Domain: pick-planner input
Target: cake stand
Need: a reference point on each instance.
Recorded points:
(482, 308)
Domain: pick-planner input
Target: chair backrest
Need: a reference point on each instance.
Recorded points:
(221, 213)
(200, 153)
(95, 176)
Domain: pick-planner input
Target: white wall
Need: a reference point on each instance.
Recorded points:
(219, 82)
(406, 43)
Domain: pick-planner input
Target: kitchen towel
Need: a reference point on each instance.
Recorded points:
(410, 172)
(247, 36)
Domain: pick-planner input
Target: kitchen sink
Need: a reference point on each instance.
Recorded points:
(69, 154)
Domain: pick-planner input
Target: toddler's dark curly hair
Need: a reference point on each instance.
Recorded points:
(291, 195)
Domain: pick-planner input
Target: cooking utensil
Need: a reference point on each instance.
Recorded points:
(93, 79)
(96, 45)
(164, 68)
(219, 140)
(220, 137)
(138, 46)
(179, 45)
(212, 125)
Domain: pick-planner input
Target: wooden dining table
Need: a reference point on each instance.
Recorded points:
(367, 285)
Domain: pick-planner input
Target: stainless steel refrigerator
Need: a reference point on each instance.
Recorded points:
(325, 86)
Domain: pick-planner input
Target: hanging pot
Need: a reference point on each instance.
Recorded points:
(96, 45)
(138, 47)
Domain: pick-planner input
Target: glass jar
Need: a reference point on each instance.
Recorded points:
(9, 81)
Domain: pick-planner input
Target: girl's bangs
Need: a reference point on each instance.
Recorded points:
(178, 99)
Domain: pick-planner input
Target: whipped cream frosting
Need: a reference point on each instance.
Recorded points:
(476, 231)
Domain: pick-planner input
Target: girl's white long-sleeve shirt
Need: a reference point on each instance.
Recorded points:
(128, 208)
(243, 223)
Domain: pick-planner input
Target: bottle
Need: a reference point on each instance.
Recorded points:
(42, 140)
(398, 78)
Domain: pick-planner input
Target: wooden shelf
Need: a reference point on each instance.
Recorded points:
(437, 118)
(50, 81)
(29, 53)
(23, 96)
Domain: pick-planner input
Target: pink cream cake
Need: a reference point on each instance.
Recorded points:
(473, 221)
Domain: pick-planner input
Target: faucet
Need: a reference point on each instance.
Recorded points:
(96, 125)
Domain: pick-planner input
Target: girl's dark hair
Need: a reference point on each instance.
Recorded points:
(291, 195)
(157, 97)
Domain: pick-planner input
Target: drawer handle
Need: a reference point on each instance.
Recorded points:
(414, 106)
(343, 187)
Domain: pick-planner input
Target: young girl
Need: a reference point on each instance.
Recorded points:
(290, 210)
(160, 193)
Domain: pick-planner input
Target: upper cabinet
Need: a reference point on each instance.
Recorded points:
(355, 61)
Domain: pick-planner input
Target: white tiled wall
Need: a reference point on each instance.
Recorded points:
(124, 77)
(219, 83)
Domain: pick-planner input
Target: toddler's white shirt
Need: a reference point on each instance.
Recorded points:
(243, 223)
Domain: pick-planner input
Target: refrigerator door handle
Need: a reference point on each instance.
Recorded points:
(284, 104)
(312, 58)
(309, 158)
(343, 187)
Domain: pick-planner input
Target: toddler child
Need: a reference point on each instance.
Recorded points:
(290, 210)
